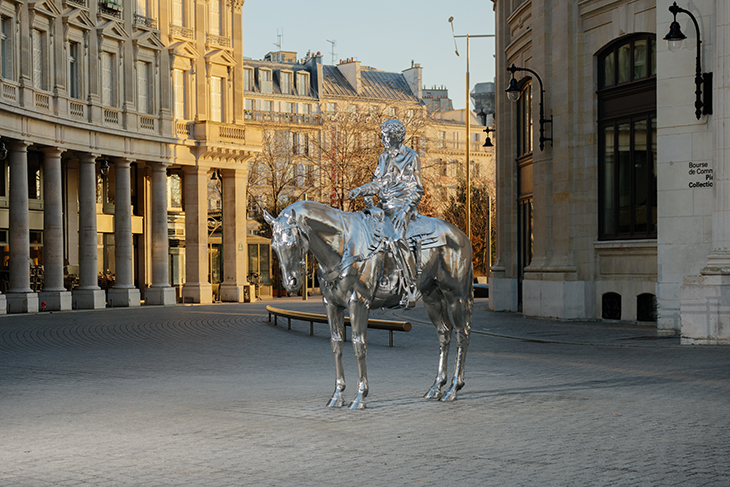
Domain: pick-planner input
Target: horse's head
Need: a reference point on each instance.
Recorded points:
(291, 245)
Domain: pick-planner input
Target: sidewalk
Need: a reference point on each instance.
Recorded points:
(217, 396)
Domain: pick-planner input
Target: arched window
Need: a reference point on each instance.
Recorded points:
(627, 139)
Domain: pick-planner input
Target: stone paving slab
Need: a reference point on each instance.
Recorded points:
(217, 396)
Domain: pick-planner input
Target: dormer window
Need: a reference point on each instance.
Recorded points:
(265, 82)
(303, 84)
(247, 80)
(286, 83)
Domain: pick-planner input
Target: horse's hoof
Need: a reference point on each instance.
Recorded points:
(359, 401)
(336, 401)
(357, 404)
(450, 394)
(433, 393)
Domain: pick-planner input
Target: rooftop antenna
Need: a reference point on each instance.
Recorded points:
(279, 37)
(334, 43)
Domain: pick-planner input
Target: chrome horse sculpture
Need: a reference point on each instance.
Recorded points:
(358, 271)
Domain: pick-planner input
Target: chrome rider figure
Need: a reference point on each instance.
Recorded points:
(397, 182)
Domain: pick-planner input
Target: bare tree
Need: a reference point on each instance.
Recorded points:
(279, 174)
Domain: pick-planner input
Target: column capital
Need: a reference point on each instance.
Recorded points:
(53, 151)
(88, 158)
(159, 166)
(19, 145)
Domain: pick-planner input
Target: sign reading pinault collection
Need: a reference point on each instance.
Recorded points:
(701, 171)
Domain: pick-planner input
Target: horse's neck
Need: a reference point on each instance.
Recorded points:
(327, 238)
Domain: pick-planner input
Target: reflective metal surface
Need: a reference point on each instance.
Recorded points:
(361, 265)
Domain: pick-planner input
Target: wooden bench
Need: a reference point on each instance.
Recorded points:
(313, 318)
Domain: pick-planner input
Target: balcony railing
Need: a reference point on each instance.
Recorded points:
(145, 21)
(460, 146)
(78, 3)
(10, 92)
(76, 109)
(42, 101)
(147, 123)
(218, 40)
(185, 32)
(111, 117)
(110, 8)
(282, 118)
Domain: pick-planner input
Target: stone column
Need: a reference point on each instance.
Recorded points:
(88, 295)
(160, 291)
(705, 299)
(123, 294)
(20, 298)
(235, 250)
(54, 294)
(196, 289)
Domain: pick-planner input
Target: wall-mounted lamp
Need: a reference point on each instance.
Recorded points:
(703, 81)
(514, 92)
(3, 151)
(104, 169)
(488, 142)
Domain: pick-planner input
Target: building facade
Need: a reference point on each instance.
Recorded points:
(112, 114)
(610, 190)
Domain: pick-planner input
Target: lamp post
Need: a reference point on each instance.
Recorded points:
(703, 106)
(468, 123)
(513, 93)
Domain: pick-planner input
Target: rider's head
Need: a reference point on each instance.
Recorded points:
(393, 133)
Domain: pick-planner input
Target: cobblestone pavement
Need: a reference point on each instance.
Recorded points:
(216, 396)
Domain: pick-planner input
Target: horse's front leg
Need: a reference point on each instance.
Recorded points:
(336, 320)
(359, 312)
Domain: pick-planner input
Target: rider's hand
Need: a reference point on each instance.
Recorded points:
(399, 221)
(354, 193)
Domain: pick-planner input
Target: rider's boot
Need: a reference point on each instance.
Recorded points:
(410, 292)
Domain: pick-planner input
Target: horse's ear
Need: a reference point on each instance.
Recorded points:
(292, 220)
(269, 219)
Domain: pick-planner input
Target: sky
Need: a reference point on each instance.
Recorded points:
(385, 34)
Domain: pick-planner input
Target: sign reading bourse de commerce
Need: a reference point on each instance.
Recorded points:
(700, 175)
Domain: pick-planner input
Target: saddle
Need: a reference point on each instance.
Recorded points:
(421, 234)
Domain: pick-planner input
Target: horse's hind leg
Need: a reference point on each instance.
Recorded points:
(336, 319)
(437, 312)
(461, 310)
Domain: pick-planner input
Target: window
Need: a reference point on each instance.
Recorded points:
(627, 134)
(393, 112)
(178, 12)
(214, 17)
(524, 121)
(108, 79)
(216, 99)
(410, 113)
(302, 84)
(627, 61)
(144, 91)
(265, 81)
(267, 105)
(6, 47)
(441, 143)
(40, 74)
(179, 92)
(331, 107)
(174, 191)
(306, 108)
(286, 83)
(73, 70)
(352, 109)
(247, 80)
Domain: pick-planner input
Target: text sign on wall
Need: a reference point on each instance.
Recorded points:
(700, 175)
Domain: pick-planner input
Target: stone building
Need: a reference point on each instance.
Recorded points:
(103, 105)
(611, 189)
(308, 104)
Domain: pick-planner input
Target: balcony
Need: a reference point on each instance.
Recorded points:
(215, 132)
(458, 146)
(218, 41)
(111, 8)
(142, 21)
(184, 32)
(282, 118)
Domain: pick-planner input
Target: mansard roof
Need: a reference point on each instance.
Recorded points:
(374, 84)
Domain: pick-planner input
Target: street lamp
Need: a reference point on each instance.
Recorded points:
(703, 106)
(468, 123)
(488, 142)
(513, 93)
